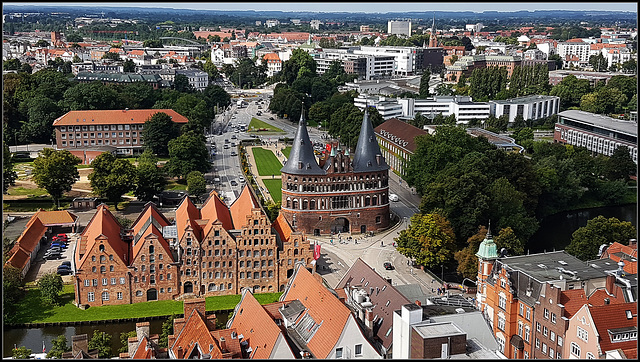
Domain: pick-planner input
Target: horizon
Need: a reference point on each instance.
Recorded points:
(350, 7)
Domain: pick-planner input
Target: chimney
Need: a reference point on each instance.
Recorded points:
(180, 353)
(223, 345)
(171, 340)
(132, 342)
(633, 243)
(368, 322)
(195, 303)
(142, 330)
(609, 283)
(79, 343)
(419, 303)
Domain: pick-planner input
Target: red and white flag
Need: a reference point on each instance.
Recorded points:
(44, 349)
(316, 251)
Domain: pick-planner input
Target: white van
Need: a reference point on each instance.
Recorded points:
(393, 197)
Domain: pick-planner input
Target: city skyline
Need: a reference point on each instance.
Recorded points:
(362, 7)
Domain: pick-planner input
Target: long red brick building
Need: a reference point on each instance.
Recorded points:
(214, 250)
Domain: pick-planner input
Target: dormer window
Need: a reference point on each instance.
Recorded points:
(300, 165)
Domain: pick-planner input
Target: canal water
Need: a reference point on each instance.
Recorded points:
(555, 230)
(32, 338)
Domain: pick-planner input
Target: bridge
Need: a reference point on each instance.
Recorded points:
(183, 39)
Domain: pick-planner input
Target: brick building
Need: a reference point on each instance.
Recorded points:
(215, 250)
(121, 129)
(397, 142)
(340, 194)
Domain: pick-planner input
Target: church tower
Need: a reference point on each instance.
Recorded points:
(487, 254)
(433, 42)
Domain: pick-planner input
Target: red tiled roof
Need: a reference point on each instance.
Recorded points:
(271, 57)
(152, 229)
(572, 300)
(323, 307)
(116, 116)
(575, 40)
(150, 210)
(630, 257)
(256, 325)
(214, 209)
(282, 227)
(205, 34)
(403, 130)
(102, 223)
(142, 352)
(231, 343)
(186, 215)
(598, 296)
(194, 331)
(56, 217)
(19, 259)
(31, 235)
(614, 316)
(241, 207)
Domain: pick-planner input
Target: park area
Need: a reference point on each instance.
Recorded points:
(34, 309)
(275, 188)
(266, 162)
(257, 126)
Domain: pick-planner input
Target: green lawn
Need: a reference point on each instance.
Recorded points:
(32, 309)
(258, 126)
(21, 191)
(275, 188)
(33, 204)
(287, 151)
(173, 185)
(266, 162)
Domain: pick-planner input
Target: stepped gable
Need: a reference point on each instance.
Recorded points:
(187, 214)
(152, 229)
(150, 211)
(214, 209)
(302, 160)
(103, 223)
(242, 206)
(368, 156)
(252, 321)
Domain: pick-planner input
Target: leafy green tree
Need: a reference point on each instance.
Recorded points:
(21, 352)
(42, 43)
(152, 43)
(429, 240)
(598, 62)
(74, 38)
(196, 184)
(158, 130)
(12, 290)
(625, 84)
(570, 90)
(586, 241)
(111, 177)
(507, 239)
(216, 97)
(630, 66)
(137, 95)
(26, 68)
(466, 257)
(11, 64)
(523, 134)
(59, 346)
(94, 95)
(518, 122)
(211, 69)
(76, 59)
(424, 84)
(291, 68)
(187, 153)
(557, 59)
(42, 111)
(124, 339)
(129, 66)
(273, 210)
(111, 55)
(197, 112)
(605, 100)
(620, 165)
(102, 342)
(50, 286)
(9, 176)
(150, 179)
(181, 84)
(56, 172)
(320, 112)
(167, 330)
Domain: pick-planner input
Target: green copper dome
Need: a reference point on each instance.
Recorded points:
(488, 249)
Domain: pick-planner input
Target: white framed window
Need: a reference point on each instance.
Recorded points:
(113, 281)
(560, 341)
(521, 309)
(527, 333)
(87, 282)
(551, 352)
(537, 343)
(122, 280)
(91, 297)
(526, 355)
(545, 331)
(575, 349)
(502, 301)
(546, 313)
(544, 348)
(520, 329)
(528, 316)
(358, 350)
(552, 336)
(105, 281)
(105, 296)
(538, 327)
(553, 318)
(583, 334)
(501, 322)
(119, 295)
(339, 352)
(500, 344)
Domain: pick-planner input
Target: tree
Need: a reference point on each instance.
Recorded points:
(158, 130)
(273, 210)
(466, 258)
(167, 330)
(598, 62)
(630, 66)
(620, 165)
(187, 153)
(150, 180)
(124, 339)
(152, 43)
(196, 111)
(424, 84)
(42, 43)
(557, 59)
(9, 176)
(137, 95)
(21, 352)
(508, 240)
(181, 84)
(102, 342)
(11, 64)
(76, 59)
(111, 177)
(94, 95)
(56, 172)
(570, 90)
(196, 184)
(12, 290)
(129, 66)
(59, 346)
(291, 68)
(429, 240)
(26, 68)
(111, 55)
(211, 69)
(586, 241)
(74, 38)
(50, 287)
(42, 111)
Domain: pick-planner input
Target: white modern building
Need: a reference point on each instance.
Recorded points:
(387, 107)
(579, 49)
(198, 79)
(406, 59)
(399, 27)
(529, 107)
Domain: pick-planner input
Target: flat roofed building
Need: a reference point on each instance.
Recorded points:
(121, 129)
(599, 134)
(530, 107)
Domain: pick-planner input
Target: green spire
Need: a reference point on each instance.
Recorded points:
(488, 249)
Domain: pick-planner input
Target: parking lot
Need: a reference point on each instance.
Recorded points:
(42, 267)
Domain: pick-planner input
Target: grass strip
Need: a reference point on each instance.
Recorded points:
(266, 162)
(255, 125)
(275, 188)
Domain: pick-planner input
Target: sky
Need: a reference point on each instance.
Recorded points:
(364, 7)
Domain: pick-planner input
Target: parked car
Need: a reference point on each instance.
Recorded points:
(64, 271)
(271, 118)
(67, 263)
(64, 266)
(62, 235)
(241, 178)
(393, 197)
(234, 183)
(387, 265)
(234, 137)
(52, 256)
(258, 113)
(60, 245)
(234, 153)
